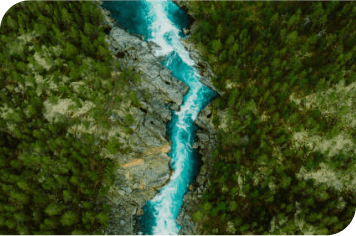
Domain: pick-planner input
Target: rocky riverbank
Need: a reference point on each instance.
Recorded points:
(206, 142)
(147, 167)
(206, 138)
(205, 71)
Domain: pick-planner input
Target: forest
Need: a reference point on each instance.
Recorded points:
(285, 159)
(58, 85)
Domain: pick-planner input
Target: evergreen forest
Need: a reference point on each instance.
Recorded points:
(286, 120)
(58, 85)
(285, 159)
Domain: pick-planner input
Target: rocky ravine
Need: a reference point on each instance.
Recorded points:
(205, 141)
(147, 168)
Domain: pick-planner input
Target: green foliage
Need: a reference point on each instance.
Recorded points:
(53, 209)
(233, 97)
(88, 218)
(198, 216)
(103, 218)
(207, 206)
(50, 179)
(269, 49)
(69, 218)
(221, 207)
(216, 46)
(113, 145)
(129, 119)
(262, 53)
(233, 206)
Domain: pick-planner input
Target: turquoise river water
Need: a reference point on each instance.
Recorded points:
(162, 22)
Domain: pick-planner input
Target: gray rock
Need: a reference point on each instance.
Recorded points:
(203, 67)
(203, 170)
(204, 120)
(200, 180)
(155, 126)
(186, 31)
(136, 141)
(136, 186)
(121, 192)
(152, 46)
(206, 144)
(146, 136)
(203, 137)
(195, 145)
(147, 168)
(174, 107)
(140, 197)
(127, 189)
(141, 58)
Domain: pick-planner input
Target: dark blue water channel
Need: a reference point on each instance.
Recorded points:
(162, 22)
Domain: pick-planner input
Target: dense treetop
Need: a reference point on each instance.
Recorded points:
(287, 117)
(58, 87)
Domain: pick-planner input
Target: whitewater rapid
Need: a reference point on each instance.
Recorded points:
(161, 22)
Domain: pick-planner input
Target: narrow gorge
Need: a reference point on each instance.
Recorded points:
(174, 134)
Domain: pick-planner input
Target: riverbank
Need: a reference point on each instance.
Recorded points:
(205, 141)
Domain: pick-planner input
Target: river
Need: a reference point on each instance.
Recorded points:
(162, 22)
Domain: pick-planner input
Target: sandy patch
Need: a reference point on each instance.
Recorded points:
(154, 151)
(135, 162)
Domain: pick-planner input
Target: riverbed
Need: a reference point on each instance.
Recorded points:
(162, 23)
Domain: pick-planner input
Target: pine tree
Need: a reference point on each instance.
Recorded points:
(69, 218)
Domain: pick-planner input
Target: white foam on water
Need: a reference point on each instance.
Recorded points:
(162, 26)
(165, 204)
